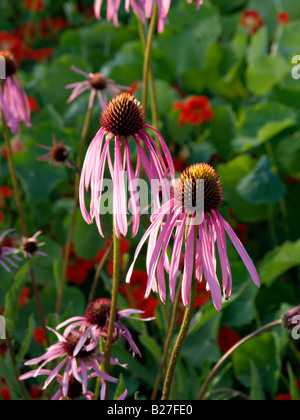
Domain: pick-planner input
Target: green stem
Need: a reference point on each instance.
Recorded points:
(233, 350)
(179, 344)
(147, 61)
(167, 345)
(79, 161)
(113, 310)
(22, 217)
(102, 367)
(14, 175)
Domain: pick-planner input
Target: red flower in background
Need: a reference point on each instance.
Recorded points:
(33, 105)
(252, 21)
(21, 51)
(135, 294)
(34, 5)
(78, 268)
(24, 297)
(227, 338)
(195, 110)
(40, 336)
(283, 18)
(5, 394)
(124, 249)
(36, 392)
(202, 297)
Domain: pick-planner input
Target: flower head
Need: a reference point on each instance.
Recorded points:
(122, 121)
(79, 356)
(30, 246)
(201, 238)
(99, 86)
(13, 100)
(195, 110)
(58, 153)
(97, 318)
(252, 21)
(6, 253)
(291, 319)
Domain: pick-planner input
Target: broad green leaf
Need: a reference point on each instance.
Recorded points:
(151, 345)
(257, 393)
(279, 261)
(261, 186)
(264, 353)
(121, 388)
(265, 73)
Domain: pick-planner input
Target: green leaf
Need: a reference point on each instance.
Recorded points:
(151, 345)
(264, 353)
(223, 129)
(279, 261)
(261, 186)
(265, 73)
(11, 299)
(27, 340)
(259, 45)
(121, 388)
(257, 393)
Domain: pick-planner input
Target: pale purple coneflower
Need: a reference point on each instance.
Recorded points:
(113, 7)
(142, 8)
(99, 86)
(97, 316)
(79, 354)
(6, 253)
(13, 100)
(200, 240)
(57, 154)
(122, 120)
(30, 246)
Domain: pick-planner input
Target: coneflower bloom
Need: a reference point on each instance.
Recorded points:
(58, 153)
(6, 253)
(142, 8)
(30, 246)
(13, 100)
(200, 240)
(122, 120)
(97, 317)
(79, 358)
(99, 86)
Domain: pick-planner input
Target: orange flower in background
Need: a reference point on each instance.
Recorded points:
(24, 296)
(5, 394)
(252, 21)
(135, 294)
(283, 18)
(34, 5)
(195, 110)
(33, 105)
(227, 338)
(5, 192)
(78, 268)
(36, 392)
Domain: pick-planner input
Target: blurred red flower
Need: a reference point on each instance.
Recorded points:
(21, 51)
(135, 294)
(34, 106)
(125, 248)
(5, 394)
(78, 268)
(36, 392)
(39, 336)
(227, 338)
(283, 18)
(34, 5)
(195, 110)
(24, 297)
(252, 21)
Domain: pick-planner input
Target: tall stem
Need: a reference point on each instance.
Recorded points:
(113, 310)
(79, 161)
(14, 175)
(233, 350)
(22, 217)
(147, 63)
(167, 345)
